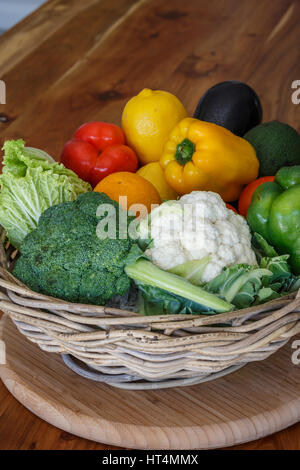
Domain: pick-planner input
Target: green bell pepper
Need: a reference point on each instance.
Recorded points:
(274, 213)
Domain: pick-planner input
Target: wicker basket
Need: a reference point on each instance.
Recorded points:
(131, 351)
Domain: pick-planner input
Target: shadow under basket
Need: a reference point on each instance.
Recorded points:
(130, 351)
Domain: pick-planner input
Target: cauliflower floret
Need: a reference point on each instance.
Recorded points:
(210, 204)
(211, 271)
(226, 254)
(165, 221)
(196, 226)
(228, 233)
(199, 241)
(163, 255)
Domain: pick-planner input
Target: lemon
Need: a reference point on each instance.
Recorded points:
(153, 172)
(147, 120)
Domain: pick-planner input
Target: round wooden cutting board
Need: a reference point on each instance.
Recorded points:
(255, 401)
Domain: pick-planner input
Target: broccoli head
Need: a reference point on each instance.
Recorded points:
(65, 258)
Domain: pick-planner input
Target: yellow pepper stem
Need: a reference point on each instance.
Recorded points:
(184, 151)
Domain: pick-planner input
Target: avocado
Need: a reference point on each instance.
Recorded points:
(233, 105)
(276, 144)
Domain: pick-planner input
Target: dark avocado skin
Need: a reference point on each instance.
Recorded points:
(277, 145)
(233, 105)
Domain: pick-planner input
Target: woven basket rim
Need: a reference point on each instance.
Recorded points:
(133, 351)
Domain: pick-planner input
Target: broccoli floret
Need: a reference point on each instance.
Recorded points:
(64, 258)
(99, 287)
(89, 204)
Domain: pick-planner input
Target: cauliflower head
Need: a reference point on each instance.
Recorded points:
(197, 226)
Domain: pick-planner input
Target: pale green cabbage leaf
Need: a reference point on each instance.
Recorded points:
(32, 181)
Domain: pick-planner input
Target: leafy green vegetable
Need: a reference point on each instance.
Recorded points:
(262, 247)
(134, 254)
(191, 270)
(265, 294)
(146, 273)
(64, 258)
(282, 280)
(30, 183)
(239, 284)
(156, 301)
(246, 285)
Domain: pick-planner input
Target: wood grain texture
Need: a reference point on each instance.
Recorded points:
(74, 61)
(257, 400)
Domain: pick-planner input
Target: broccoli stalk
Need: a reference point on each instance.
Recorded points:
(147, 273)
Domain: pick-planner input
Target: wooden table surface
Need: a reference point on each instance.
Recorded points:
(73, 61)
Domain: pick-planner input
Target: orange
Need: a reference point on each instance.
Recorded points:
(136, 188)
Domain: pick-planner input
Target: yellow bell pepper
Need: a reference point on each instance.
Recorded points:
(201, 156)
